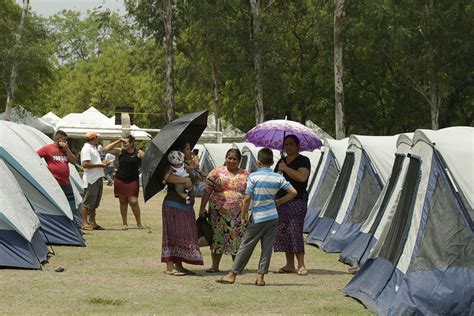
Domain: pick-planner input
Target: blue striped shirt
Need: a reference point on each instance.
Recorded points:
(262, 186)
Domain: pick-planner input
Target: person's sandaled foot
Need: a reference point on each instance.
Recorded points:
(189, 272)
(213, 270)
(140, 226)
(259, 283)
(224, 280)
(125, 227)
(302, 271)
(284, 270)
(176, 273)
(86, 227)
(98, 227)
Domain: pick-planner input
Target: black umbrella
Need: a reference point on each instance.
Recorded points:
(187, 128)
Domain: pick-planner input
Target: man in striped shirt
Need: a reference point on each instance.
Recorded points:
(262, 187)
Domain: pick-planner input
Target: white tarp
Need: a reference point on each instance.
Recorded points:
(76, 125)
(22, 116)
(380, 150)
(15, 209)
(456, 146)
(26, 162)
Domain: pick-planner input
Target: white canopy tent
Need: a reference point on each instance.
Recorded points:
(77, 124)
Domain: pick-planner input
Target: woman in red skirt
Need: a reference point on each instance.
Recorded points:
(126, 182)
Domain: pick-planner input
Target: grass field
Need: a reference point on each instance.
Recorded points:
(119, 272)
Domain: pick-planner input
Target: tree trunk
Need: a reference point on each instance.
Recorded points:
(215, 96)
(339, 13)
(434, 98)
(13, 74)
(168, 23)
(259, 114)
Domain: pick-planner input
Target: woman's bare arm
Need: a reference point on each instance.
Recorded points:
(300, 175)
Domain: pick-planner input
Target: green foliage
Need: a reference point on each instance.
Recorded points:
(30, 55)
(393, 50)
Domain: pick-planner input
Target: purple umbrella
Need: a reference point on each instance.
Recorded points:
(271, 134)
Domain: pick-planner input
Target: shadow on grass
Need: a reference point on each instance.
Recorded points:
(105, 301)
(310, 272)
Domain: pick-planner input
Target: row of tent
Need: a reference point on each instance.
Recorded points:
(399, 209)
(401, 212)
(34, 211)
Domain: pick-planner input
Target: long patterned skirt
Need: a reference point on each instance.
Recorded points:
(180, 242)
(227, 230)
(290, 226)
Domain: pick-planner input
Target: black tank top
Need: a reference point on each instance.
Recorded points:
(129, 164)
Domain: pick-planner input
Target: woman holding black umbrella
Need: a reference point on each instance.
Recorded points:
(180, 242)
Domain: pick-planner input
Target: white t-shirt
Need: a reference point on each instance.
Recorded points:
(111, 158)
(91, 153)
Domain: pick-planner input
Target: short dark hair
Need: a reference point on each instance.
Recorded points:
(234, 151)
(60, 133)
(179, 145)
(265, 156)
(196, 151)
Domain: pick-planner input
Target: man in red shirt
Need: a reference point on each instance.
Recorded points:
(58, 156)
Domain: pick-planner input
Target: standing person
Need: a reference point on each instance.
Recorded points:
(126, 185)
(224, 193)
(179, 241)
(58, 155)
(92, 180)
(109, 170)
(262, 187)
(295, 168)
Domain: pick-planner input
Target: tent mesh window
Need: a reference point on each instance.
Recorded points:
(243, 162)
(396, 170)
(327, 184)
(369, 190)
(398, 232)
(318, 166)
(341, 186)
(206, 164)
(447, 240)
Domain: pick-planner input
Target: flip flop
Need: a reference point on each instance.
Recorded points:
(188, 272)
(284, 271)
(87, 227)
(224, 281)
(175, 273)
(259, 284)
(302, 271)
(98, 227)
(212, 270)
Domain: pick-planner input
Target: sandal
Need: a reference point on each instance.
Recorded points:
(213, 270)
(98, 227)
(224, 281)
(302, 271)
(175, 273)
(283, 270)
(87, 227)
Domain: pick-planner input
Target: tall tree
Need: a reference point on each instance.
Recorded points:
(13, 74)
(156, 19)
(259, 112)
(168, 41)
(339, 14)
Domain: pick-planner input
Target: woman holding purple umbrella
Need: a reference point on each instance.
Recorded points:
(295, 168)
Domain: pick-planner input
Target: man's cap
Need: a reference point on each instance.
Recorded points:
(92, 135)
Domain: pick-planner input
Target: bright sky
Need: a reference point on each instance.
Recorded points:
(48, 8)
